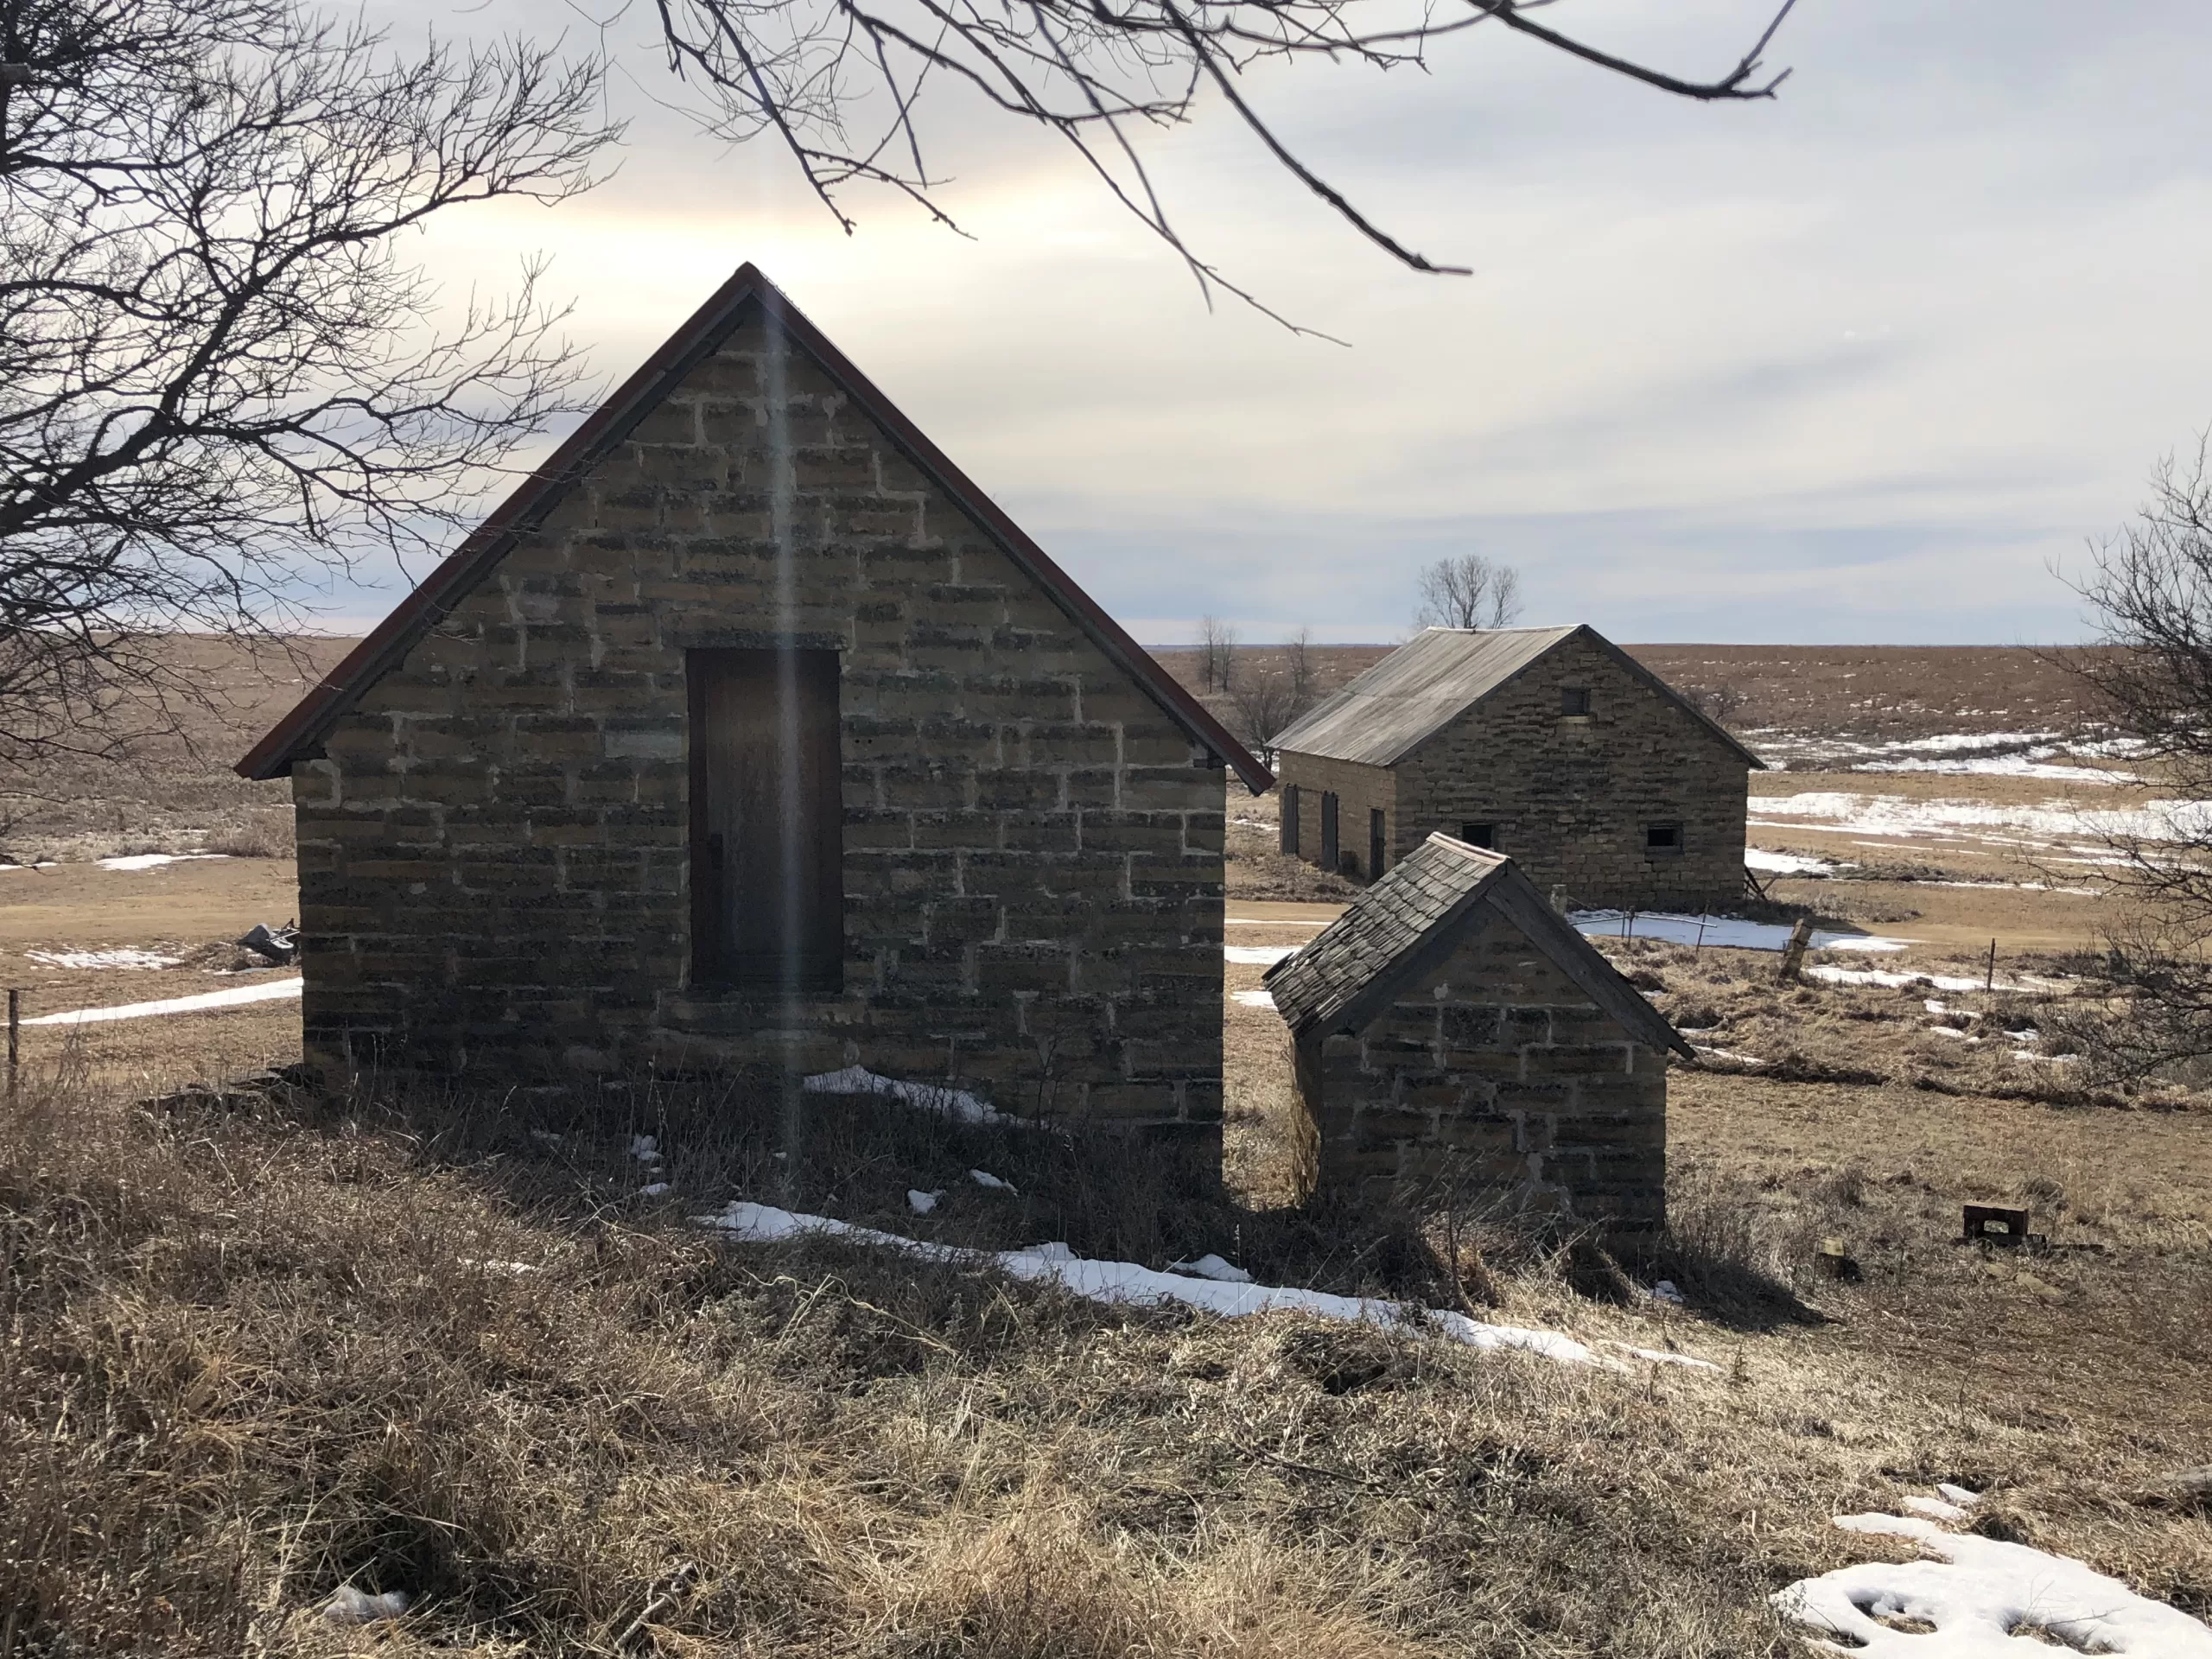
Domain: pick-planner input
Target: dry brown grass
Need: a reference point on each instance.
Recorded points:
(258, 1351)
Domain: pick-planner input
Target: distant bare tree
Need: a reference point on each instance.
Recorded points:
(2150, 597)
(218, 371)
(1304, 671)
(1216, 653)
(1718, 703)
(843, 84)
(1263, 706)
(1468, 591)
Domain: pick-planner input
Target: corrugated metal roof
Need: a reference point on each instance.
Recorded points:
(1411, 920)
(1425, 684)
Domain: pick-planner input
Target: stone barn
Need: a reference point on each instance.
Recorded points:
(749, 731)
(1550, 743)
(1452, 1030)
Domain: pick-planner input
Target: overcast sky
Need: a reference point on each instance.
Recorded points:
(1855, 366)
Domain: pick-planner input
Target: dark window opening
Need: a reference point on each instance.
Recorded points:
(1328, 859)
(1479, 834)
(1375, 827)
(1289, 843)
(1662, 837)
(1575, 700)
(767, 820)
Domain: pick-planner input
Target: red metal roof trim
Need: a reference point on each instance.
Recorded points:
(708, 327)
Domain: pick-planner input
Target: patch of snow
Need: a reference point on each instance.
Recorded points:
(1254, 999)
(1758, 858)
(922, 1203)
(1662, 1356)
(350, 1607)
(512, 1269)
(1835, 975)
(1126, 1282)
(1726, 1054)
(1258, 956)
(1726, 933)
(152, 861)
(956, 1103)
(1212, 1267)
(1936, 1508)
(1977, 1593)
(652, 1189)
(1667, 1290)
(1950, 1031)
(545, 1136)
(644, 1149)
(102, 958)
(1958, 1495)
(984, 1177)
(236, 996)
(43, 864)
(2048, 823)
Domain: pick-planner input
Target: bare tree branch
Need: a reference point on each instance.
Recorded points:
(1468, 591)
(216, 374)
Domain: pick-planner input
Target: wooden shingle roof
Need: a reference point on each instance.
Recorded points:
(300, 733)
(1427, 683)
(1410, 922)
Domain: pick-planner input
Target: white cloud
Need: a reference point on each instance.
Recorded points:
(1854, 365)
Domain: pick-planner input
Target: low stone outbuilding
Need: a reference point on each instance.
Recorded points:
(1552, 745)
(1452, 1029)
(749, 732)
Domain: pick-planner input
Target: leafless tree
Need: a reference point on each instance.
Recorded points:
(1304, 671)
(1216, 653)
(1262, 707)
(218, 374)
(841, 84)
(2150, 676)
(1718, 703)
(1468, 591)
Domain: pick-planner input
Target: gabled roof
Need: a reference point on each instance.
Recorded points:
(302, 731)
(1408, 924)
(1436, 676)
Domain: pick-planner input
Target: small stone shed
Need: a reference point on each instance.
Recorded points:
(1452, 1028)
(1550, 743)
(749, 731)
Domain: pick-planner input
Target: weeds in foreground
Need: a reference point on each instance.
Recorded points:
(260, 1348)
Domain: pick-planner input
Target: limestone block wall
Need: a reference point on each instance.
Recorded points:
(1571, 797)
(493, 845)
(1359, 789)
(1495, 1071)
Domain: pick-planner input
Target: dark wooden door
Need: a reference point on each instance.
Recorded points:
(767, 813)
(1374, 843)
(1329, 856)
(1289, 840)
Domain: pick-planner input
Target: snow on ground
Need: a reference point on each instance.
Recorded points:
(102, 958)
(1126, 1282)
(1257, 956)
(1836, 975)
(1254, 999)
(2050, 823)
(1725, 930)
(1959, 751)
(955, 1103)
(1758, 858)
(237, 996)
(152, 861)
(1984, 1598)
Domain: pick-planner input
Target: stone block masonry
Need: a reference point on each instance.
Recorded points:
(494, 840)
(1495, 1070)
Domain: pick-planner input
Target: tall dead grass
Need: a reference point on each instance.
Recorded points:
(261, 1347)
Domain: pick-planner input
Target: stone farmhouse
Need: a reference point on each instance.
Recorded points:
(1452, 1029)
(749, 732)
(1552, 745)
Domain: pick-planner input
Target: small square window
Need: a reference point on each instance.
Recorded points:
(1479, 834)
(1574, 701)
(1662, 837)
